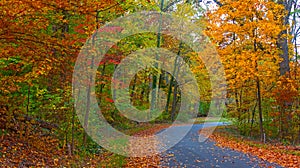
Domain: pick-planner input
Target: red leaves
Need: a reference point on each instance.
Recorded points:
(109, 100)
(286, 91)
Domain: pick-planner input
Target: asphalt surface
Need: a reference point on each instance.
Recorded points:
(189, 152)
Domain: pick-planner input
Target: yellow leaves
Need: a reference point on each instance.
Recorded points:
(185, 10)
(246, 33)
(56, 163)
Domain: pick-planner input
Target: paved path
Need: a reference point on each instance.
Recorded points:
(189, 152)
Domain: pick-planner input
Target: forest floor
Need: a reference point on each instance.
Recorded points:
(20, 150)
(228, 137)
(45, 151)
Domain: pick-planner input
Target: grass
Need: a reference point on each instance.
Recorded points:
(136, 129)
(232, 133)
(201, 120)
(113, 161)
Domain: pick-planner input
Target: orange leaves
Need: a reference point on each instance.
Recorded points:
(245, 34)
(282, 155)
(149, 161)
(286, 91)
(36, 151)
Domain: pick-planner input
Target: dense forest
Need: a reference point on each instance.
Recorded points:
(256, 40)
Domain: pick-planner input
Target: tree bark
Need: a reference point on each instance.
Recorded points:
(90, 82)
(156, 78)
(282, 42)
(174, 103)
(172, 78)
(260, 111)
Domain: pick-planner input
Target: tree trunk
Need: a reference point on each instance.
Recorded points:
(174, 103)
(252, 120)
(260, 111)
(172, 78)
(28, 100)
(156, 78)
(73, 125)
(133, 87)
(102, 84)
(87, 111)
(90, 82)
(282, 42)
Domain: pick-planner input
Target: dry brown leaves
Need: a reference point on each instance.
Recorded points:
(29, 151)
(38, 151)
(273, 153)
(16, 151)
(149, 161)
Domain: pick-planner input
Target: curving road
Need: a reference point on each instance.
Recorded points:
(189, 152)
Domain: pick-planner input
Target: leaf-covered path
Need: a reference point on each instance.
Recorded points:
(189, 152)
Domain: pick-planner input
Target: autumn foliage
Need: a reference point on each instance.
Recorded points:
(40, 41)
(260, 100)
